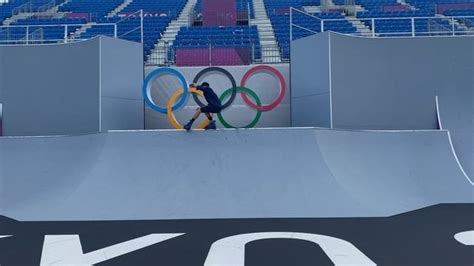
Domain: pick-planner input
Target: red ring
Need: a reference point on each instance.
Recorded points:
(252, 71)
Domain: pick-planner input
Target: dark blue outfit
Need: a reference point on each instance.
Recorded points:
(214, 105)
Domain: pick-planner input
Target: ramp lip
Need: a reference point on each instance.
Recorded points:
(453, 150)
(438, 114)
(288, 128)
(231, 129)
(457, 159)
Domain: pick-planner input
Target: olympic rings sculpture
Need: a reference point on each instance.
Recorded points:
(179, 98)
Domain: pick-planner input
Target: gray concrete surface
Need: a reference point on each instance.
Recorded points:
(310, 75)
(390, 83)
(261, 173)
(121, 64)
(59, 89)
(43, 93)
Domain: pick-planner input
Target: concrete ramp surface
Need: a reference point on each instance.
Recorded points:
(261, 173)
(396, 89)
(459, 120)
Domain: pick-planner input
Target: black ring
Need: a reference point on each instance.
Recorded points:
(220, 70)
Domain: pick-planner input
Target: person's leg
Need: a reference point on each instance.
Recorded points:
(212, 123)
(195, 116)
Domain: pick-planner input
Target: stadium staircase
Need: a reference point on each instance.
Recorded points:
(57, 7)
(119, 9)
(19, 16)
(457, 24)
(77, 34)
(170, 33)
(31, 8)
(362, 29)
(269, 45)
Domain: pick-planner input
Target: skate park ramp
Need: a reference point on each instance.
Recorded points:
(349, 82)
(260, 173)
(72, 88)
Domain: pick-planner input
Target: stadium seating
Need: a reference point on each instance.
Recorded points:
(469, 22)
(98, 8)
(52, 29)
(391, 18)
(171, 8)
(278, 11)
(449, 8)
(157, 16)
(423, 10)
(219, 37)
(129, 29)
(243, 6)
(7, 9)
(432, 5)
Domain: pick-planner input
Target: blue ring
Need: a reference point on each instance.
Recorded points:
(167, 70)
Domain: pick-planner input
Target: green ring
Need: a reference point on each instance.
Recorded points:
(252, 94)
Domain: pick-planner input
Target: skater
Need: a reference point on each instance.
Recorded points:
(214, 106)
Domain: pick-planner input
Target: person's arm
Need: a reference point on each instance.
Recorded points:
(199, 88)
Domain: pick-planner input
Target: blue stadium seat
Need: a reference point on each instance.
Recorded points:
(230, 36)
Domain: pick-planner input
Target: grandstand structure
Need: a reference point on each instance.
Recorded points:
(246, 31)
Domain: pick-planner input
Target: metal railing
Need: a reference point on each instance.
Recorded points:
(35, 37)
(47, 8)
(271, 54)
(29, 7)
(24, 8)
(138, 26)
(241, 18)
(21, 34)
(435, 26)
(66, 33)
(167, 54)
(162, 56)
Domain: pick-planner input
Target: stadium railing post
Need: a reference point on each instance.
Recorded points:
(372, 21)
(27, 35)
(141, 26)
(291, 24)
(452, 26)
(412, 27)
(248, 12)
(253, 52)
(210, 55)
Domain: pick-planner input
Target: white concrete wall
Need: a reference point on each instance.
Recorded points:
(68, 89)
(239, 114)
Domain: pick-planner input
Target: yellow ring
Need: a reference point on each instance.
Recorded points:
(172, 117)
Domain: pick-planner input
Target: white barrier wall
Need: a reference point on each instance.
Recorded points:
(386, 83)
(266, 86)
(310, 75)
(75, 88)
